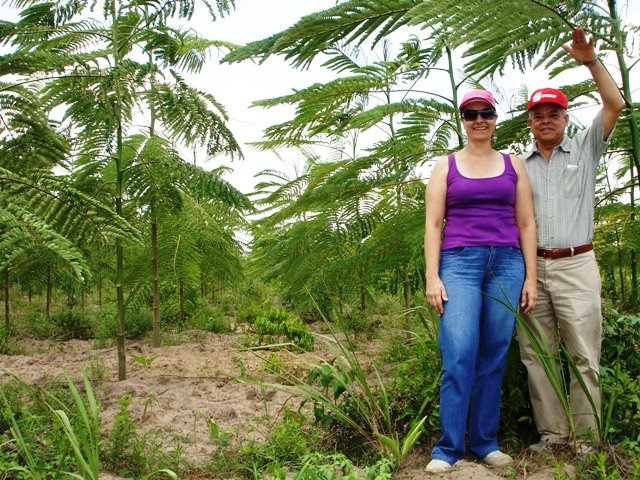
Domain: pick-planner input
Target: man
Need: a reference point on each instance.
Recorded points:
(562, 171)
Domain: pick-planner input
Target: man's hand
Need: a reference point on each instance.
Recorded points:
(580, 49)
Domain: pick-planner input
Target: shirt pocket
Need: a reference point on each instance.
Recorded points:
(572, 180)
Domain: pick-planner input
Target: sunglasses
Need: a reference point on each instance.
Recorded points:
(485, 113)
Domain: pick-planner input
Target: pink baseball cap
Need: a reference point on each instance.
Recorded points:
(477, 96)
(548, 95)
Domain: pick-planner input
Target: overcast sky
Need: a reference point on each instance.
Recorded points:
(237, 85)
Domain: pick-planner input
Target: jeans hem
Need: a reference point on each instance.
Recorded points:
(444, 458)
(486, 451)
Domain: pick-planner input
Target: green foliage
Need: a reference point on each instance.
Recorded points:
(143, 360)
(273, 364)
(249, 312)
(319, 466)
(137, 321)
(278, 325)
(72, 323)
(134, 455)
(209, 318)
(357, 407)
(359, 323)
(290, 439)
(118, 450)
(620, 380)
(312, 34)
(55, 434)
(96, 370)
(414, 388)
(287, 441)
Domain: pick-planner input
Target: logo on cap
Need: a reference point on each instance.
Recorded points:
(548, 95)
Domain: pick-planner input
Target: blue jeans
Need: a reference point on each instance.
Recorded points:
(475, 333)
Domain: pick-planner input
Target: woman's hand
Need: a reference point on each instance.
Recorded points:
(436, 294)
(529, 295)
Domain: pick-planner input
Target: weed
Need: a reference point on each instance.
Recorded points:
(345, 398)
(318, 466)
(66, 432)
(273, 364)
(149, 402)
(237, 361)
(129, 454)
(96, 370)
(144, 361)
(116, 450)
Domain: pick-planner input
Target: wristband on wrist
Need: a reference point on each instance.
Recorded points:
(592, 62)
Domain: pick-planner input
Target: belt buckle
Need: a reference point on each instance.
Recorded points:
(572, 250)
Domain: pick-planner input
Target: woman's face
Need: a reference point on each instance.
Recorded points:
(480, 121)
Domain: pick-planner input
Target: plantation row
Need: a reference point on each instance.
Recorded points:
(109, 232)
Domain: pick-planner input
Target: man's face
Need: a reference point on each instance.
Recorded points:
(547, 123)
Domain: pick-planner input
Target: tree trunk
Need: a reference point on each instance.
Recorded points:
(181, 314)
(7, 311)
(155, 284)
(633, 295)
(623, 295)
(49, 294)
(122, 356)
(633, 260)
(634, 128)
(406, 287)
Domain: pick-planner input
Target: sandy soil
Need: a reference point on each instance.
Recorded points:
(188, 384)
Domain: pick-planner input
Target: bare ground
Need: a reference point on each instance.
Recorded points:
(188, 384)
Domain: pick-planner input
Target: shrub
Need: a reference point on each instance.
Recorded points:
(133, 455)
(620, 380)
(210, 319)
(72, 324)
(137, 323)
(361, 324)
(280, 326)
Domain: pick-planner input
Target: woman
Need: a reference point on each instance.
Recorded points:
(480, 266)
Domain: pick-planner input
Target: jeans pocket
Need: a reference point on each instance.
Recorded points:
(453, 252)
(516, 252)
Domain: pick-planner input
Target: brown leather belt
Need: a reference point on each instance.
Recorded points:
(564, 252)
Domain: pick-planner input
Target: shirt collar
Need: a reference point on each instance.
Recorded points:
(565, 145)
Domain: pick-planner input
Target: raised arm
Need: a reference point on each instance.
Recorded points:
(583, 52)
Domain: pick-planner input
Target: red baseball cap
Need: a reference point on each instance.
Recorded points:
(548, 95)
(477, 96)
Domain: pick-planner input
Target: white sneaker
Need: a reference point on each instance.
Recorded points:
(497, 459)
(438, 466)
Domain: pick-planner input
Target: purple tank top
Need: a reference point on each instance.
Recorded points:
(480, 212)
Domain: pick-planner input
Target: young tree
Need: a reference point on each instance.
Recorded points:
(96, 68)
